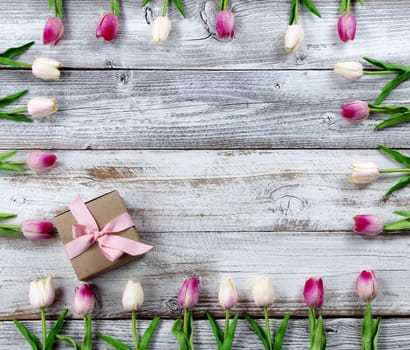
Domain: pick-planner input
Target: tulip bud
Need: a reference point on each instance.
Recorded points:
(53, 31)
(225, 24)
(349, 70)
(262, 291)
(39, 107)
(42, 292)
(41, 162)
(189, 293)
(366, 285)
(107, 27)
(294, 37)
(161, 28)
(133, 296)
(83, 300)
(46, 68)
(228, 296)
(36, 229)
(368, 225)
(355, 111)
(363, 173)
(346, 26)
(313, 292)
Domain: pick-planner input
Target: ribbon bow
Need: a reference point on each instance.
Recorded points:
(87, 232)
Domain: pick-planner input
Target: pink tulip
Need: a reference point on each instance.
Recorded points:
(313, 292)
(366, 285)
(346, 26)
(225, 24)
(40, 162)
(355, 111)
(189, 293)
(53, 31)
(36, 229)
(368, 225)
(83, 300)
(107, 27)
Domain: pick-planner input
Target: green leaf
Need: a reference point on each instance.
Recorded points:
(11, 167)
(146, 338)
(391, 85)
(376, 330)
(228, 341)
(292, 13)
(398, 226)
(403, 182)
(5, 101)
(56, 328)
(397, 156)
(16, 117)
(398, 212)
(58, 8)
(87, 340)
(309, 5)
(144, 2)
(115, 7)
(319, 338)
(16, 51)
(390, 110)
(280, 334)
(30, 337)
(114, 342)
(9, 62)
(6, 155)
(258, 330)
(400, 118)
(180, 7)
(6, 216)
(219, 336)
(367, 328)
(69, 340)
(361, 2)
(50, 4)
(180, 336)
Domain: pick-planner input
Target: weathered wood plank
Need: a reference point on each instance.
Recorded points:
(289, 258)
(169, 109)
(169, 191)
(258, 43)
(342, 334)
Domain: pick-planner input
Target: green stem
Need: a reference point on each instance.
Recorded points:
(12, 227)
(224, 4)
(268, 333)
(134, 329)
(165, 8)
(18, 110)
(43, 326)
(186, 322)
(399, 170)
(348, 7)
(296, 19)
(227, 318)
(377, 72)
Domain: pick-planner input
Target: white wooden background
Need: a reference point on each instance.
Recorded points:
(231, 158)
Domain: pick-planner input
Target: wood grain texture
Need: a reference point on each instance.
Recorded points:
(288, 258)
(343, 334)
(258, 43)
(190, 109)
(192, 191)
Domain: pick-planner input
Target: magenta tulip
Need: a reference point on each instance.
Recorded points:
(346, 26)
(36, 229)
(107, 27)
(366, 285)
(189, 293)
(313, 292)
(40, 162)
(225, 24)
(83, 300)
(53, 31)
(368, 225)
(355, 111)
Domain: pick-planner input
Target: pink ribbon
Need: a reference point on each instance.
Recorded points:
(87, 232)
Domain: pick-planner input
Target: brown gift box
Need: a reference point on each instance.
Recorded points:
(92, 262)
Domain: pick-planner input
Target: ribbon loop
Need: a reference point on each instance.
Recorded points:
(86, 232)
